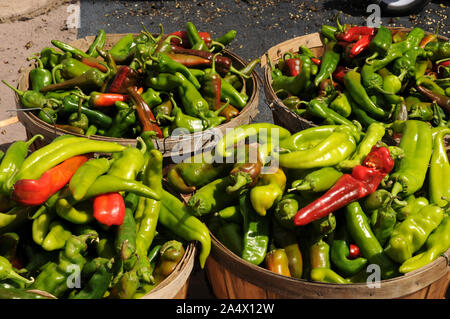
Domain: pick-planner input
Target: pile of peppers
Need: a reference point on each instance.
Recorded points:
(88, 219)
(335, 202)
(145, 82)
(367, 75)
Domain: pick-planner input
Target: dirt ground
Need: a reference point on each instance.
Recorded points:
(19, 40)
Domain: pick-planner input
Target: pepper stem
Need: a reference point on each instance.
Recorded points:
(143, 147)
(301, 185)
(338, 23)
(20, 93)
(241, 180)
(56, 68)
(372, 57)
(217, 112)
(34, 138)
(236, 71)
(397, 188)
(38, 60)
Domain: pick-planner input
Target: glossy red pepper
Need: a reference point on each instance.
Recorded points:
(353, 34)
(109, 209)
(360, 46)
(339, 73)
(292, 67)
(106, 99)
(362, 182)
(354, 252)
(185, 39)
(316, 61)
(124, 78)
(36, 191)
(380, 159)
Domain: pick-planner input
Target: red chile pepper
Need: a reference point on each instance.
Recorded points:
(360, 46)
(36, 191)
(380, 159)
(292, 67)
(109, 209)
(144, 112)
(93, 62)
(191, 61)
(124, 78)
(206, 37)
(106, 99)
(445, 63)
(362, 182)
(354, 33)
(316, 61)
(223, 63)
(339, 73)
(354, 252)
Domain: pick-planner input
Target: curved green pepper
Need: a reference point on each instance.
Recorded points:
(339, 255)
(411, 234)
(256, 231)
(411, 171)
(179, 219)
(437, 243)
(360, 231)
(329, 152)
(85, 176)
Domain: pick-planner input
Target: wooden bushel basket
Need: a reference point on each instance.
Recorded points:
(175, 286)
(168, 146)
(282, 115)
(232, 277)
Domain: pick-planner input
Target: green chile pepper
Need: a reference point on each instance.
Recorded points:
(383, 221)
(85, 176)
(124, 49)
(352, 81)
(339, 255)
(80, 213)
(437, 243)
(329, 63)
(360, 231)
(317, 181)
(256, 231)
(320, 264)
(98, 118)
(212, 197)
(56, 237)
(230, 234)
(98, 42)
(180, 220)
(39, 76)
(164, 64)
(439, 171)
(341, 105)
(410, 172)
(308, 138)
(12, 162)
(7, 272)
(333, 149)
(409, 235)
(382, 41)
